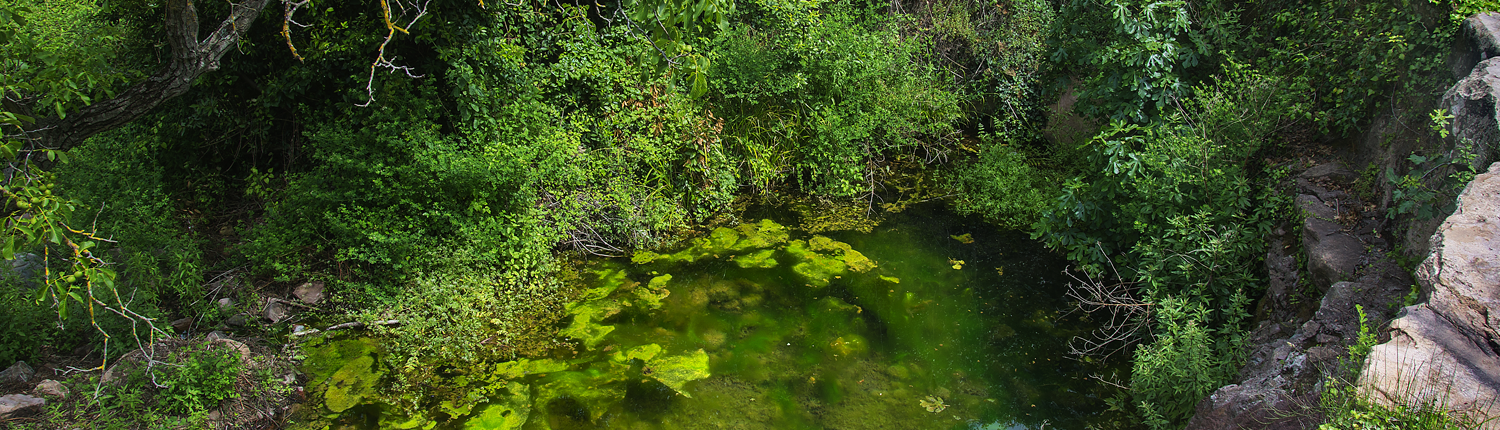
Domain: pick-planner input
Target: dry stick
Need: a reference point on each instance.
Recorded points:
(348, 325)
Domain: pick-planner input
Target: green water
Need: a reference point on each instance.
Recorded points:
(928, 322)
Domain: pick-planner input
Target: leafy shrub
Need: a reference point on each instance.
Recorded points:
(25, 324)
(203, 378)
(1004, 186)
(820, 94)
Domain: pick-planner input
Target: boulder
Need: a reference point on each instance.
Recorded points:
(275, 311)
(14, 404)
(19, 373)
(225, 304)
(1478, 40)
(1332, 254)
(309, 292)
(182, 324)
(1246, 407)
(1447, 351)
(51, 388)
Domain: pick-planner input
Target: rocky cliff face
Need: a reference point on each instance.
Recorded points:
(1446, 352)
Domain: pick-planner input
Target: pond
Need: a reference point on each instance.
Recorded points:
(930, 321)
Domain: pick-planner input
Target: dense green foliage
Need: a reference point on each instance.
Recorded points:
(538, 132)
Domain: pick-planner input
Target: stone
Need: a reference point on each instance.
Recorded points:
(1335, 171)
(275, 311)
(237, 346)
(182, 324)
(1444, 352)
(19, 373)
(309, 292)
(51, 388)
(25, 267)
(1478, 40)
(1472, 102)
(1426, 362)
(14, 404)
(1242, 407)
(1332, 254)
(224, 304)
(238, 320)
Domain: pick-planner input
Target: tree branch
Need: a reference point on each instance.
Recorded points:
(190, 58)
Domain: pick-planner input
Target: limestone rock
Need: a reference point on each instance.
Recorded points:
(13, 404)
(18, 373)
(1332, 254)
(224, 304)
(182, 324)
(1476, 121)
(309, 292)
(237, 346)
(1447, 351)
(1242, 407)
(1478, 40)
(275, 311)
(51, 388)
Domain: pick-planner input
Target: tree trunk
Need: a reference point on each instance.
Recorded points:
(190, 59)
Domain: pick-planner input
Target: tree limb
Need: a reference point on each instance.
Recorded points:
(190, 58)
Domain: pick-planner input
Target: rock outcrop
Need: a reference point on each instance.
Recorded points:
(1299, 343)
(1446, 352)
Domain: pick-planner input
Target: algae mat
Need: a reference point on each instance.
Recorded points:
(927, 322)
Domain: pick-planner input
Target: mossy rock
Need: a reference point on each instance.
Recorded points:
(848, 345)
(721, 240)
(322, 361)
(593, 389)
(764, 234)
(350, 384)
(644, 353)
(676, 370)
(587, 318)
(763, 259)
(819, 270)
(857, 261)
(510, 412)
(522, 367)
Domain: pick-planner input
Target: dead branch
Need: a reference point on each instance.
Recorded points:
(348, 325)
(1124, 316)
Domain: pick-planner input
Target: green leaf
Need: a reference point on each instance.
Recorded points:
(9, 252)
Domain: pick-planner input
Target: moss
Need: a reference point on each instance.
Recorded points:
(587, 318)
(322, 361)
(509, 412)
(521, 367)
(857, 261)
(763, 259)
(349, 386)
(676, 370)
(763, 234)
(593, 390)
(644, 353)
(721, 240)
(849, 344)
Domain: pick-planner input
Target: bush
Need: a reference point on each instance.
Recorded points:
(202, 379)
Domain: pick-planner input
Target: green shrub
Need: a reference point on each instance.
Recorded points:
(1004, 185)
(203, 377)
(819, 93)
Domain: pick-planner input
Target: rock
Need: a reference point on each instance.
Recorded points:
(14, 404)
(183, 324)
(25, 266)
(225, 304)
(19, 373)
(51, 388)
(1447, 351)
(1241, 407)
(1472, 102)
(309, 292)
(1427, 361)
(1334, 171)
(238, 320)
(1332, 254)
(275, 311)
(1478, 40)
(215, 335)
(237, 346)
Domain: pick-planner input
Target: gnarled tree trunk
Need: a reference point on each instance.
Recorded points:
(190, 58)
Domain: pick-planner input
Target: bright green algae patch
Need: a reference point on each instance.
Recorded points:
(750, 328)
